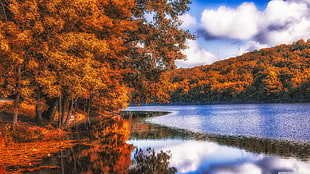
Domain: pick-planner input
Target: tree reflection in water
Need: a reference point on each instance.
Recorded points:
(107, 150)
(194, 152)
(142, 130)
(150, 162)
(100, 148)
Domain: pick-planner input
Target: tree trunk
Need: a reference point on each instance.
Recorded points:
(70, 110)
(53, 106)
(39, 118)
(53, 111)
(60, 115)
(62, 162)
(63, 108)
(17, 99)
(15, 117)
(74, 160)
(88, 109)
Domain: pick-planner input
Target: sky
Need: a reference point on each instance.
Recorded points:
(228, 28)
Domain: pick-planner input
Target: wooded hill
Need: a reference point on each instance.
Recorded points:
(278, 74)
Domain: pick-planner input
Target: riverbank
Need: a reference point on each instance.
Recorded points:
(26, 129)
(24, 146)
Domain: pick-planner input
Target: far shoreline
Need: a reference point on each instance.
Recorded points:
(215, 103)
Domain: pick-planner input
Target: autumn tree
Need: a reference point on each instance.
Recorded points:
(71, 50)
(62, 54)
(272, 84)
(14, 76)
(154, 47)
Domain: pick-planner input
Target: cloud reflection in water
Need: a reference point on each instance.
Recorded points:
(190, 156)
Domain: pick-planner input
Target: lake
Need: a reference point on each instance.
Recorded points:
(280, 121)
(253, 138)
(212, 139)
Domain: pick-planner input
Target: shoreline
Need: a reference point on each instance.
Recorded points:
(219, 103)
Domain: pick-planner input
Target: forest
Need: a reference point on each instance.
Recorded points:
(269, 75)
(64, 57)
(68, 56)
(69, 66)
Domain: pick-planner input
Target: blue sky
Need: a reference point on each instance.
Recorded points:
(228, 28)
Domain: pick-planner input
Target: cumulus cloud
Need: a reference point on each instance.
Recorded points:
(247, 29)
(281, 22)
(230, 23)
(187, 20)
(195, 55)
(301, 1)
(284, 22)
(240, 169)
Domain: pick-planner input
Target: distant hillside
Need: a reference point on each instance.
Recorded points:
(278, 74)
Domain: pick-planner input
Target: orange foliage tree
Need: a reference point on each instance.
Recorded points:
(63, 53)
(154, 47)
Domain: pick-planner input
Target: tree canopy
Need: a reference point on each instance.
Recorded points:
(61, 54)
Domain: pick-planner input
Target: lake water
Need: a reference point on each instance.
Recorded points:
(216, 139)
(280, 121)
(237, 139)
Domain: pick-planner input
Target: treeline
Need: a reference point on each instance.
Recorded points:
(278, 74)
(64, 55)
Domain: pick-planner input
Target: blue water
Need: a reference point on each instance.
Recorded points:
(189, 156)
(197, 157)
(279, 121)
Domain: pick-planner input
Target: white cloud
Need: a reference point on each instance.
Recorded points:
(301, 1)
(251, 46)
(240, 169)
(195, 151)
(284, 22)
(188, 20)
(281, 22)
(245, 28)
(195, 55)
(240, 23)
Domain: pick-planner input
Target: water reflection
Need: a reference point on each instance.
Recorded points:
(192, 156)
(107, 150)
(98, 146)
(105, 146)
(279, 121)
(205, 153)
